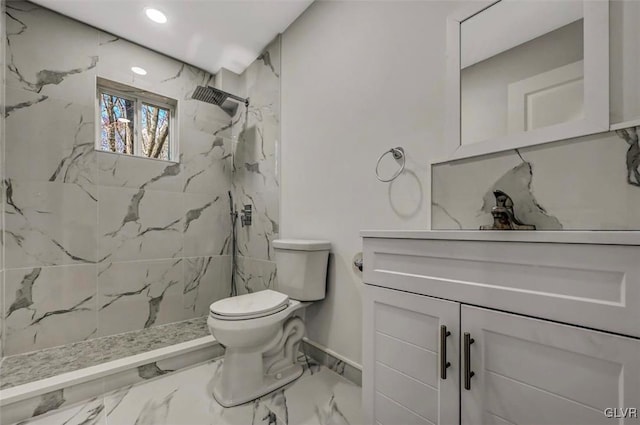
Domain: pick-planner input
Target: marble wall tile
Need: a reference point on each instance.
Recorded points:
(254, 275)
(139, 294)
(138, 224)
(256, 172)
(207, 279)
(206, 224)
(68, 128)
(577, 184)
(124, 171)
(165, 75)
(49, 223)
(68, 204)
(255, 241)
(49, 306)
(2, 331)
(2, 172)
(207, 162)
(31, 65)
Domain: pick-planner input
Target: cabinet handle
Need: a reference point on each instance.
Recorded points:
(468, 374)
(444, 364)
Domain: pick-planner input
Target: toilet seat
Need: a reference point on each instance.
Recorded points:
(249, 306)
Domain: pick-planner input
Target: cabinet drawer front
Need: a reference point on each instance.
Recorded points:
(539, 372)
(402, 380)
(597, 286)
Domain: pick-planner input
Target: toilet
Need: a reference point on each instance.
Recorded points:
(260, 330)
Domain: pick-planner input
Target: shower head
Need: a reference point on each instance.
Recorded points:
(219, 98)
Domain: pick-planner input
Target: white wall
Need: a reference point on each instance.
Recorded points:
(357, 79)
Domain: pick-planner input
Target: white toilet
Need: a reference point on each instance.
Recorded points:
(259, 330)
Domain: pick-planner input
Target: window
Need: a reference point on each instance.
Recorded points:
(135, 122)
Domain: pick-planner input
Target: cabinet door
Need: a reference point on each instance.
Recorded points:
(530, 371)
(401, 380)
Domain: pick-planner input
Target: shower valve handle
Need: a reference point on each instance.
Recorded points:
(245, 215)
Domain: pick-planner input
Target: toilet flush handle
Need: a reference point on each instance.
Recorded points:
(358, 263)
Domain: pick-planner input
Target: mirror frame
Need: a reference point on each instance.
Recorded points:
(596, 87)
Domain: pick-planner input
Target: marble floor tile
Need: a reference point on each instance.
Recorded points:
(184, 398)
(90, 412)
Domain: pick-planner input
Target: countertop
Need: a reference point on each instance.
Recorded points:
(539, 236)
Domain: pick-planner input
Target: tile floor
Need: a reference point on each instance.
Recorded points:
(319, 397)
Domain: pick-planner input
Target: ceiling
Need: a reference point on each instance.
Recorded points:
(210, 34)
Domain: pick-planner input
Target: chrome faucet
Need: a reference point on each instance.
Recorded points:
(504, 217)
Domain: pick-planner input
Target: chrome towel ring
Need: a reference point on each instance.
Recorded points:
(398, 155)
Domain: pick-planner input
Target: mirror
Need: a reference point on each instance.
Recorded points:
(526, 72)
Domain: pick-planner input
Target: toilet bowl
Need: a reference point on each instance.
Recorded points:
(261, 331)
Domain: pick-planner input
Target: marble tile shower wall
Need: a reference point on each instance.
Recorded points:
(2, 103)
(98, 243)
(256, 177)
(588, 183)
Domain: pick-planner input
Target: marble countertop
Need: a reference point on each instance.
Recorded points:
(540, 236)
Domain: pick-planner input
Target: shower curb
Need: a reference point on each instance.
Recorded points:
(38, 397)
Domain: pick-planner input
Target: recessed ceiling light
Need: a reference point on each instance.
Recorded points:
(155, 15)
(138, 70)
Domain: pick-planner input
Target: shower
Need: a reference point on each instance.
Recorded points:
(219, 98)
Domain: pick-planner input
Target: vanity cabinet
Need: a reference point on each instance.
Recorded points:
(505, 367)
(403, 378)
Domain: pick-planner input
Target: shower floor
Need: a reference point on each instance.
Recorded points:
(319, 397)
(28, 367)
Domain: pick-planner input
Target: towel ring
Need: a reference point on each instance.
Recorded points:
(398, 155)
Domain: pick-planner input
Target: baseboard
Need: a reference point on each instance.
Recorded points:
(334, 361)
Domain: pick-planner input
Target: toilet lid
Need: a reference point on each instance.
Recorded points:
(257, 303)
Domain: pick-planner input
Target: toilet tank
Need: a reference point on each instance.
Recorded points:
(302, 268)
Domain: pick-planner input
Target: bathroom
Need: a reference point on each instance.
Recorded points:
(111, 261)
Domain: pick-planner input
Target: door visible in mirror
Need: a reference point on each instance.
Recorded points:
(522, 68)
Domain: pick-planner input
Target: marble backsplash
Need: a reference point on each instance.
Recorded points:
(99, 243)
(587, 183)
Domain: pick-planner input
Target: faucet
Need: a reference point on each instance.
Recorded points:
(504, 217)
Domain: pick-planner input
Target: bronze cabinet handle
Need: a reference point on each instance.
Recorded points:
(444, 364)
(468, 374)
